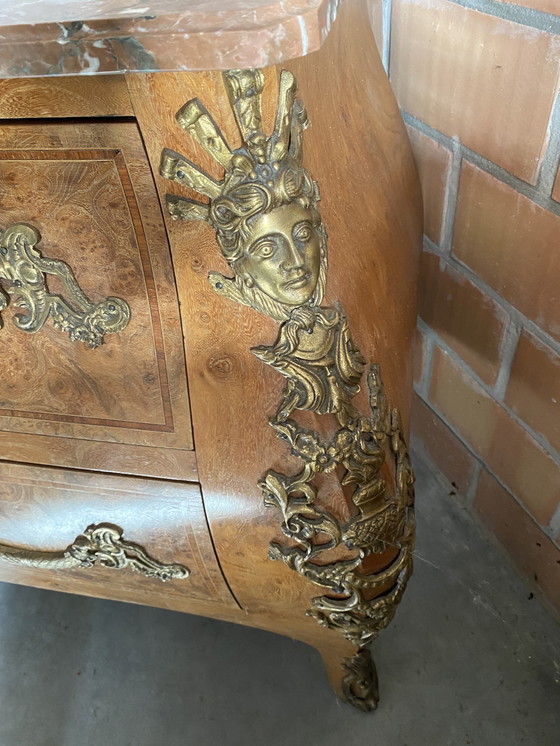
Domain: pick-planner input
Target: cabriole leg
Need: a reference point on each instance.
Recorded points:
(352, 674)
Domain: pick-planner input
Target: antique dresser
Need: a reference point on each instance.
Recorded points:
(209, 227)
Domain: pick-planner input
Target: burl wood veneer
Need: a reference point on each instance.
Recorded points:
(163, 431)
(88, 188)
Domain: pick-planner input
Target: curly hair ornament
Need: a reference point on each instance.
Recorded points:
(262, 176)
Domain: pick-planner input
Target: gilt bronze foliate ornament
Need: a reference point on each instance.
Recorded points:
(269, 229)
(24, 272)
(103, 544)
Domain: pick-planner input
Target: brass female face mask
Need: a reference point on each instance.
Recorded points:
(264, 211)
(282, 255)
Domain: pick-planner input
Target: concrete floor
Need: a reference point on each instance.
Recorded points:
(470, 659)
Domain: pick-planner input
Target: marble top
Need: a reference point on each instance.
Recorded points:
(89, 37)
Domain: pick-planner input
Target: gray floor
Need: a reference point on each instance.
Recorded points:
(470, 659)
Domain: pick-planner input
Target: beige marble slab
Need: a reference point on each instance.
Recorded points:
(90, 37)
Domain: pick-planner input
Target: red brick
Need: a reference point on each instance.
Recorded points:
(433, 161)
(531, 474)
(464, 317)
(531, 549)
(442, 446)
(534, 387)
(420, 351)
(511, 243)
(488, 81)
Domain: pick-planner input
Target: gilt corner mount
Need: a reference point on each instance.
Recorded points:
(24, 271)
(269, 229)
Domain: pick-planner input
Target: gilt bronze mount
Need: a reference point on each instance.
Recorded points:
(24, 271)
(269, 229)
(103, 544)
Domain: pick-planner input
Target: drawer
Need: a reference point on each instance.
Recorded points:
(46, 509)
(122, 407)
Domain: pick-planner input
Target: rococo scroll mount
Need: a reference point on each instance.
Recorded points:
(269, 229)
(24, 271)
(102, 543)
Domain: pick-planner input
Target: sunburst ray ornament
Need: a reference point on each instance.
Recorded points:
(263, 174)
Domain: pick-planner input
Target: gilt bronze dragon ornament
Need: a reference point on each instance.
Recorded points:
(269, 229)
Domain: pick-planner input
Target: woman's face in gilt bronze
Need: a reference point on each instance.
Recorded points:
(282, 255)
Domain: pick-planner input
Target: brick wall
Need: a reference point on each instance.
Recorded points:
(478, 84)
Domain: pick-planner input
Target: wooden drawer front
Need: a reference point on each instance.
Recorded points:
(122, 407)
(46, 509)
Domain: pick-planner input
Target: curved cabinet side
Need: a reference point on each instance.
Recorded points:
(357, 150)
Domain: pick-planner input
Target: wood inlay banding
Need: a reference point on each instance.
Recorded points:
(88, 189)
(114, 156)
